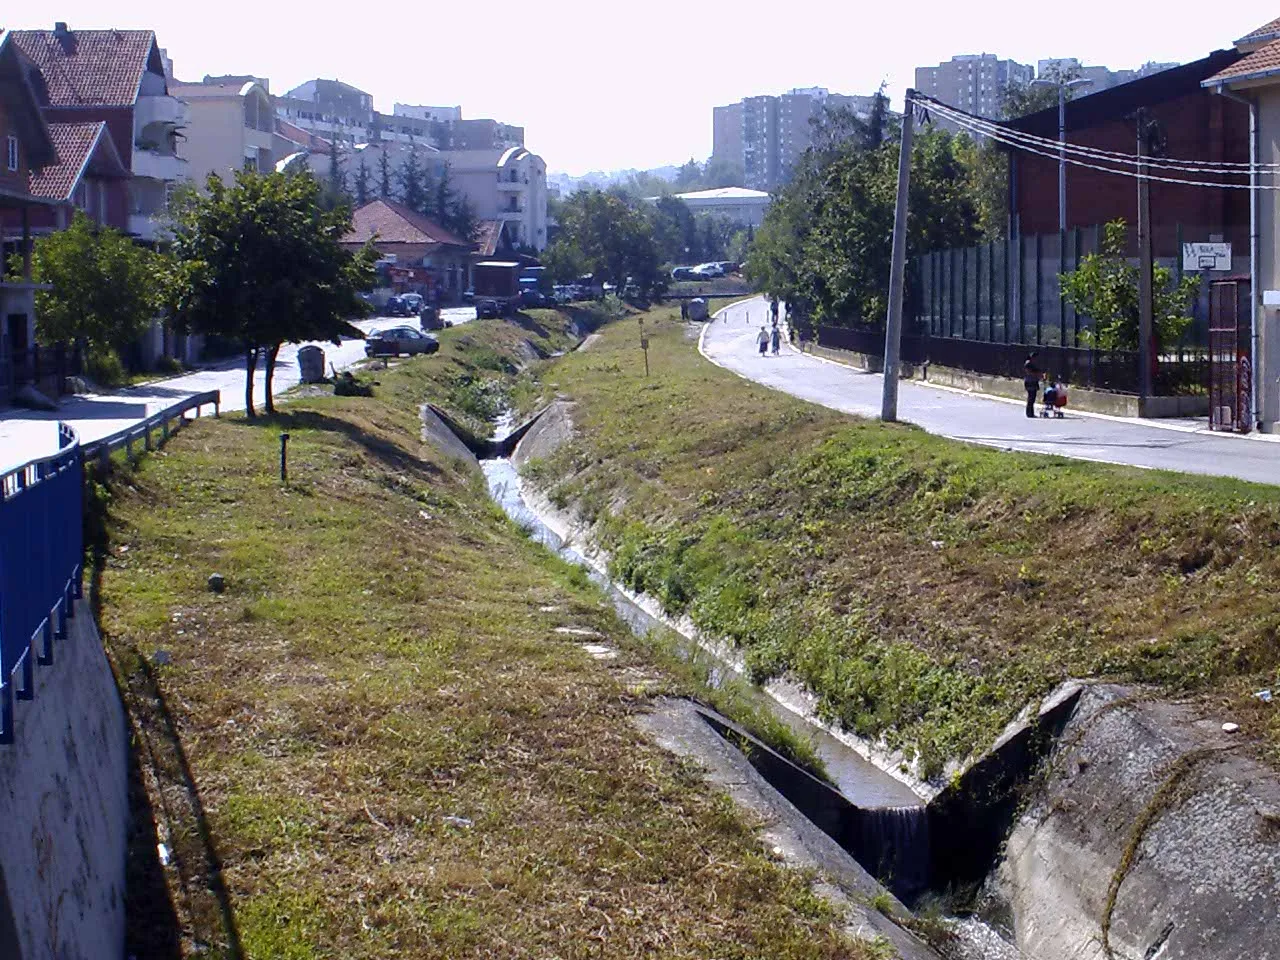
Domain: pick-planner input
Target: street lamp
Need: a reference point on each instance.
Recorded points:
(1062, 86)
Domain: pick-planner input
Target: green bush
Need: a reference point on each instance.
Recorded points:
(104, 367)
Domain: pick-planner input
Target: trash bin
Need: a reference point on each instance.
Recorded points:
(311, 363)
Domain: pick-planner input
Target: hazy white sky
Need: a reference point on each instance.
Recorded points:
(608, 85)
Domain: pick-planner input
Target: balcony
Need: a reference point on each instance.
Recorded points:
(511, 214)
(166, 110)
(513, 186)
(154, 165)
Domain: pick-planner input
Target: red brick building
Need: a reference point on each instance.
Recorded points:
(1195, 124)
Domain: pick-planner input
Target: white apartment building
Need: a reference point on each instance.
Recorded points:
(507, 185)
(231, 126)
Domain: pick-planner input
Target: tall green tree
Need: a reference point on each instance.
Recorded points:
(260, 261)
(384, 175)
(413, 185)
(336, 182)
(103, 289)
(361, 182)
(602, 234)
(450, 208)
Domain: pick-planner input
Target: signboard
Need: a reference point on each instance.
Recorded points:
(1206, 256)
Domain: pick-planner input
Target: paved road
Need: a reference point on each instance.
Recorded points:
(1184, 446)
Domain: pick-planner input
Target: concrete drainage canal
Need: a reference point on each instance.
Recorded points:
(917, 850)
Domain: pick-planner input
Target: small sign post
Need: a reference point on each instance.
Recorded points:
(1206, 256)
(644, 345)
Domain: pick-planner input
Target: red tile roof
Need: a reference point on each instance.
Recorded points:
(89, 67)
(391, 222)
(1264, 32)
(1260, 63)
(77, 144)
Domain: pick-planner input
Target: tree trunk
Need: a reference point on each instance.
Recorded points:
(271, 372)
(250, 363)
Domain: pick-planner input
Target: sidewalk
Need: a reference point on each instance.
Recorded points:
(993, 421)
(28, 434)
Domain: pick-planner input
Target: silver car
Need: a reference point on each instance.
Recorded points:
(397, 340)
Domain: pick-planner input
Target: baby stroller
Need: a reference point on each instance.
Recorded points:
(1055, 398)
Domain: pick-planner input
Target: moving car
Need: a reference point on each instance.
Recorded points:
(397, 340)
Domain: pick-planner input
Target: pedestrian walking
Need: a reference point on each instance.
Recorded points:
(773, 309)
(684, 309)
(762, 339)
(1031, 374)
(775, 339)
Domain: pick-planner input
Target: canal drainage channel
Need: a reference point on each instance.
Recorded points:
(914, 848)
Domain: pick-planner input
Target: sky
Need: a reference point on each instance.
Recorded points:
(606, 86)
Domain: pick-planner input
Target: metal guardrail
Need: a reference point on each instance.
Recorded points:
(41, 565)
(142, 433)
(42, 544)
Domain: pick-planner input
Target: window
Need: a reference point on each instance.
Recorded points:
(13, 152)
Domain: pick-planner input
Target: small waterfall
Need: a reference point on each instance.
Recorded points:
(892, 844)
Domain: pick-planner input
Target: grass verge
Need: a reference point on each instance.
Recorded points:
(925, 590)
(374, 743)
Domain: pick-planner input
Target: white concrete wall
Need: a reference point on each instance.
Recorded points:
(214, 140)
(64, 809)
(1268, 318)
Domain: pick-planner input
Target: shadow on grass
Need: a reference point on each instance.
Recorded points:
(152, 926)
(385, 451)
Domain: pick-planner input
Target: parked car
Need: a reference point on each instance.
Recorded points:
(683, 273)
(398, 307)
(412, 301)
(487, 309)
(397, 340)
(530, 297)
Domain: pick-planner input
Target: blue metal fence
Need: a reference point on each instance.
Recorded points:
(41, 566)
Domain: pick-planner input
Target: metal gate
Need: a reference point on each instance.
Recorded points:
(1230, 375)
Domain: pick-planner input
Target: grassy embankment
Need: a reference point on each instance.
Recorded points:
(374, 744)
(924, 589)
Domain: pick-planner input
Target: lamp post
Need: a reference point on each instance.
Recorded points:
(1062, 86)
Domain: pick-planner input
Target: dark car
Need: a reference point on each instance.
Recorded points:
(535, 298)
(398, 340)
(397, 307)
(486, 309)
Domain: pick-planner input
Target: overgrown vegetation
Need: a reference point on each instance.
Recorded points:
(374, 744)
(925, 590)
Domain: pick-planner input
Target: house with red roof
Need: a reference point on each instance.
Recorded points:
(1254, 78)
(419, 255)
(116, 78)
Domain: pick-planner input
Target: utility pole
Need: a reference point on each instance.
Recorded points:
(897, 269)
(1145, 298)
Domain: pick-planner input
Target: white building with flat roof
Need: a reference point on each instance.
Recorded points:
(739, 204)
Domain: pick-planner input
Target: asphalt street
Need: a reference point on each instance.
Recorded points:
(1184, 446)
(28, 434)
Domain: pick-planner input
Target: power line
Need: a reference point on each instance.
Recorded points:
(964, 120)
(1000, 131)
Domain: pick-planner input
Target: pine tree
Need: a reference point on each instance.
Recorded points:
(384, 174)
(412, 189)
(451, 209)
(361, 182)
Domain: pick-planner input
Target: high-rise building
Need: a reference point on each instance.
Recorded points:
(1101, 78)
(973, 82)
(767, 135)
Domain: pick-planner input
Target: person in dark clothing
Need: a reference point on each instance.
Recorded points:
(684, 310)
(1031, 374)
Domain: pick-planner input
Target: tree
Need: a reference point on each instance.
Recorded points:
(1019, 99)
(384, 174)
(675, 231)
(452, 209)
(413, 186)
(1104, 287)
(336, 184)
(104, 289)
(824, 242)
(260, 261)
(361, 182)
(602, 234)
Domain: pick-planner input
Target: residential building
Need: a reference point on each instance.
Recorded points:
(29, 149)
(1100, 78)
(1255, 77)
(972, 82)
(116, 77)
(742, 206)
(508, 185)
(438, 114)
(766, 136)
(421, 255)
(726, 133)
(231, 127)
(89, 177)
(760, 153)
